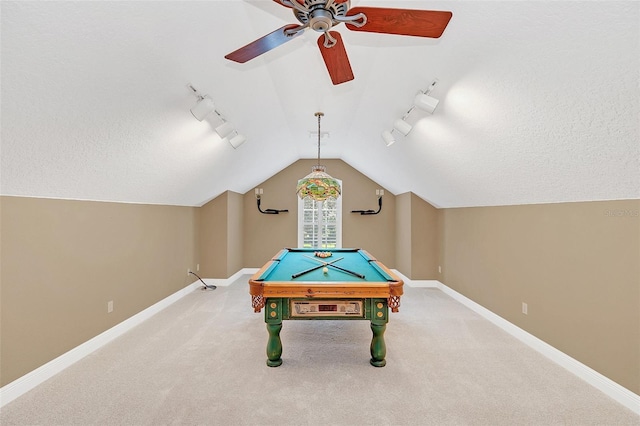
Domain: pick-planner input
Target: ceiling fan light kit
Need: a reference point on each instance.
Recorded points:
(323, 15)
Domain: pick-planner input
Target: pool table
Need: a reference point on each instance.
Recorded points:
(303, 284)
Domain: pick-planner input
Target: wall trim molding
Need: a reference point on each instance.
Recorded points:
(607, 386)
(224, 282)
(24, 384)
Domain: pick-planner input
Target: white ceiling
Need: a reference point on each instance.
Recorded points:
(539, 101)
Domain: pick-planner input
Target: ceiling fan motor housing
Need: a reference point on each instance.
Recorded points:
(322, 13)
(321, 20)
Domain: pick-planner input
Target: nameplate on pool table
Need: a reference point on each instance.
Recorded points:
(329, 308)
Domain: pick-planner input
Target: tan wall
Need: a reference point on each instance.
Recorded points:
(213, 238)
(424, 240)
(62, 261)
(416, 237)
(576, 265)
(235, 233)
(265, 234)
(221, 236)
(403, 234)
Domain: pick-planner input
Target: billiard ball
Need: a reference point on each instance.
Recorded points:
(325, 270)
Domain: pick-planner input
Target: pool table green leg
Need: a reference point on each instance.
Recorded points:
(378, 347)
(274, 345)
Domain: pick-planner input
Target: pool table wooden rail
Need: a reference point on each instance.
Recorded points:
(260, 289)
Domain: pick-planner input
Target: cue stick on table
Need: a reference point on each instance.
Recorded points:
(299, 274)
(337, 267)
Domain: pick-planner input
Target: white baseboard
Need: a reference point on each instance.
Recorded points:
(610, 388)
(223, 282)
(23, 384)
(417, 283)
(30, 380)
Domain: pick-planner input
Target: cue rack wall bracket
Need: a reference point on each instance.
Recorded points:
(379, 193)
(266, 211)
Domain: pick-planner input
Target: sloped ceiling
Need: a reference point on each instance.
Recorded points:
(539, 101)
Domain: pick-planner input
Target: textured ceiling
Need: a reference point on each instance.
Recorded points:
(539, 101)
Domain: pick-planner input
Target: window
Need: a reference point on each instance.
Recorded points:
(320, 223)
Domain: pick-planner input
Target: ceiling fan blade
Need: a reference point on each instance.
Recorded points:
(263, 44)
(336, 59)
(301, 2)
(419, 23)
(282, 4)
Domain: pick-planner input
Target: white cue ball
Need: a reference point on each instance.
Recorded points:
(325, 270)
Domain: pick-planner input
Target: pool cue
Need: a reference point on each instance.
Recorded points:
(314, 268)
(337, 267)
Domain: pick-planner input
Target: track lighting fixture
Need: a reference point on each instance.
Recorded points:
(237, 140)
(421, 101)
(402, 126)
(425, 102)
(387, 137)
(204, 107)
(225, 130)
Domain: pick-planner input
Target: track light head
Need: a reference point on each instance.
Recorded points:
(425, 102)
(204, 107)
(237, 140)
(224, 129)
(402, 126)
(388, 138)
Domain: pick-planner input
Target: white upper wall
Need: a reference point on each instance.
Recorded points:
(539, 101)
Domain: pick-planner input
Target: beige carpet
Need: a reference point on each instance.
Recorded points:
(202, 362)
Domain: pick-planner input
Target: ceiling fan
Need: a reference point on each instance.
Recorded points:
(322, 15)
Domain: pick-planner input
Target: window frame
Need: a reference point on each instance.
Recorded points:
(322, 205)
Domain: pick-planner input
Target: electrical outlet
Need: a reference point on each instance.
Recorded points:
(439, 269)
(188, 271)
(198, 267)
(110, 306)
(525, 308)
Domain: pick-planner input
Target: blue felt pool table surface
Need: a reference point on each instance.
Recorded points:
(290, 262)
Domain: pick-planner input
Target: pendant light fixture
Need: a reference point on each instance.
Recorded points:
(318, 185)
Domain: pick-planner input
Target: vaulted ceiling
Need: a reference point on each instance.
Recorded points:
(539, 101)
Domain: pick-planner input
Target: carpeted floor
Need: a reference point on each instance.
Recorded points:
(202, 362)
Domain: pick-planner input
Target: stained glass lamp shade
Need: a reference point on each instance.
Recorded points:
(318, 185)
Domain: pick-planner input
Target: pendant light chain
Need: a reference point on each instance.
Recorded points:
(318, 185)
(319, 115)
